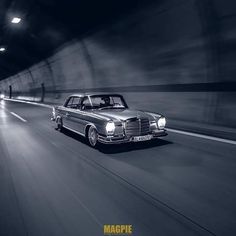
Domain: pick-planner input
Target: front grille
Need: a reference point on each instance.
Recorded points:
(145, 127)
(136, 127)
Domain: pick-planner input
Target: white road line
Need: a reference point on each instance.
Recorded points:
(203, 136)
(19, 117)
(28, 102)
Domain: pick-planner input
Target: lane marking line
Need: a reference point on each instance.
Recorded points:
(19, 117)
(168, 129)
(202, 136)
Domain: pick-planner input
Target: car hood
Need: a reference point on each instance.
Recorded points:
(123, 114)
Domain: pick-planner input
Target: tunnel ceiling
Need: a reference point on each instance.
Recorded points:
(47, 24)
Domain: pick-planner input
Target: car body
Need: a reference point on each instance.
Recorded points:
(106, 118)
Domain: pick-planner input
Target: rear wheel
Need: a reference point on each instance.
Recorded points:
(59, 125)
(92, 136)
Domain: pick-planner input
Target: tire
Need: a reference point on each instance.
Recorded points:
(59, 125)
(92, 136)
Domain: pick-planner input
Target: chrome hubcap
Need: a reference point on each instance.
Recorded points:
(92, 136)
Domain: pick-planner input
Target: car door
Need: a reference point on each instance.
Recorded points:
(74, 116)
(66, 111)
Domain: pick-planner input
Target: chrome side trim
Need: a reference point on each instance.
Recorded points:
(74, 131)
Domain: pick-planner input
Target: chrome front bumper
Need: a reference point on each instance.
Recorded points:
(124, 139)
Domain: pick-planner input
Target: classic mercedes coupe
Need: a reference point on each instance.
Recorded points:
(107, 119)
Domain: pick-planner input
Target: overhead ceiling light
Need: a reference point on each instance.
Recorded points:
(16, 20)
(2, 49)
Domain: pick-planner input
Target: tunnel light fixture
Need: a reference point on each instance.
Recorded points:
(16, 20)
(2, 49)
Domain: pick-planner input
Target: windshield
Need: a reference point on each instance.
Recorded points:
(104, 102)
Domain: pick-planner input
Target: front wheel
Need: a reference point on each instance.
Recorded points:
(92, 136)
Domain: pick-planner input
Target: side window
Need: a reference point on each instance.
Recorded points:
(69, 102)
(74, 102)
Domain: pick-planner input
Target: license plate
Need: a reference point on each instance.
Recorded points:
(142, 138)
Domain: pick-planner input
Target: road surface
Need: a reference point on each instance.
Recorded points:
(53, 183)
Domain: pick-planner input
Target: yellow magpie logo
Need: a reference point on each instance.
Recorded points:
(117, 230)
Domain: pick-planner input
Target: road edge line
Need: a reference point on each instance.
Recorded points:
(204, 136)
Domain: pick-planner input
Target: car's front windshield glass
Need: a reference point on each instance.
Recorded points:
(104, 102)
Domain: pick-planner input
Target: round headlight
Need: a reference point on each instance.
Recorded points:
(110, 127)
(161, 123)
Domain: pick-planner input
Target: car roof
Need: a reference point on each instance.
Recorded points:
(94, 94)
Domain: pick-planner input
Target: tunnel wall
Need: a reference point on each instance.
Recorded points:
(176, 58)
